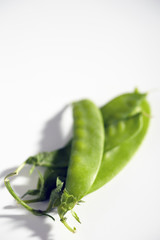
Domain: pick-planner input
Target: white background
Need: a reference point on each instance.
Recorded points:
(54, 52)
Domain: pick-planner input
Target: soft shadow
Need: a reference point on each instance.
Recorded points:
(5, 173)
(52, 138)
(36, 225)
(29, 179)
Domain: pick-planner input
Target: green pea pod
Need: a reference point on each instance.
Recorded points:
(86, 155)
(115, 159)
(121, 107)
(122, 130)
(116, 132)
(117, 109)
(117, 153)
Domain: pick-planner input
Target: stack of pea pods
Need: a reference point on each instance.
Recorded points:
(104, 140)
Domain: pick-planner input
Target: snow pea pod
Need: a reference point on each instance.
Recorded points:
(118, 108)
(115, 159)
(122, 106)
(120, 128)
(87, 150)
(86, 155)
(115, 134)
(125, 127)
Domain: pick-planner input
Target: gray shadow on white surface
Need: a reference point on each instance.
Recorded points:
(36, 225)
(25, 173)
(4, 173)
(52, 138)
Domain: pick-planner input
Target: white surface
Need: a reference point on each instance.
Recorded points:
(54, 52)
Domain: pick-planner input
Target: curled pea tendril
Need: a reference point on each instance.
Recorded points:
(38, 212)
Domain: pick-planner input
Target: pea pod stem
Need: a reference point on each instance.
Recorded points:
(73, 230)
(146, 114)
(33, 200)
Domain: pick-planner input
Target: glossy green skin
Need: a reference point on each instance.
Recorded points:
(87, 148)
(121, 107)
(117, 109)
(119, 121)
(122, 130)
(86, 153)
(114, 160)
(115, 134)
